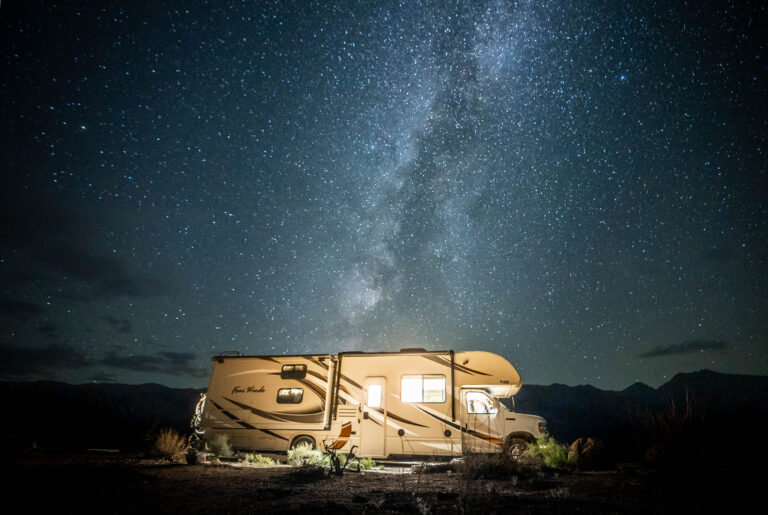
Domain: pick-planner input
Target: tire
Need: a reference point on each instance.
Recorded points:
(303, 439)
(515, 446)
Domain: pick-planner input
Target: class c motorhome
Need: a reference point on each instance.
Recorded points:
(389, 404)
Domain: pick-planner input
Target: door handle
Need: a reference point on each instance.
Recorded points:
(365, 415)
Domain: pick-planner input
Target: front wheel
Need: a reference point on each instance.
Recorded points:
(515, 446)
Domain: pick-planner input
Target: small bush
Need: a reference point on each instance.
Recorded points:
(367, 463)
(555, 455)
(219, 446)
(170, 443)
(304, 455)
(257, 460)
(488, 466)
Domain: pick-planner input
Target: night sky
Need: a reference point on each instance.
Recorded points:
(579, 186)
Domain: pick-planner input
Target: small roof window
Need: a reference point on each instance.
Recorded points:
(293, 372)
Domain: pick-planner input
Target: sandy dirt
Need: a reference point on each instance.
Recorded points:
(120, 484)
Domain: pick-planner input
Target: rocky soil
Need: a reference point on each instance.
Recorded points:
(123, 484)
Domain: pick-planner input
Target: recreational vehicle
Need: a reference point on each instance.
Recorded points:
(388, 404)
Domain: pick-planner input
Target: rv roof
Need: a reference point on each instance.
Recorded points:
(347, 353)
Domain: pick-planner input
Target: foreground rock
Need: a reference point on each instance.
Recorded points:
(590, 454)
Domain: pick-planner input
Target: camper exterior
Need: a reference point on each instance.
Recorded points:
(390, 404)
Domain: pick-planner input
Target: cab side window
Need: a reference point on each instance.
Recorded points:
(478, 402)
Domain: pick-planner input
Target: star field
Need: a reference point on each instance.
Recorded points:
(578, 186)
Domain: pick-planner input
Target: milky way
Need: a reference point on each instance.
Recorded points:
(578, 186)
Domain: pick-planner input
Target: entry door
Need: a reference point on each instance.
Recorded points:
(478, 428)
(374, 422)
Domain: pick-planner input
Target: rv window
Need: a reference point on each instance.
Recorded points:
(374, 396)
(290, 395)
(293, 372)
(427, 388)
(434, 388)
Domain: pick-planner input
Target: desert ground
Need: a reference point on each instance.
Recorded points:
(116, 483)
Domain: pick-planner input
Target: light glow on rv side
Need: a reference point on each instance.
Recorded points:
(410, 390)
(374, 396)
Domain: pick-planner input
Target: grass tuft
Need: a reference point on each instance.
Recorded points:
(257, 460)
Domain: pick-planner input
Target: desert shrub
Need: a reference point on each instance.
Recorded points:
(304, 455)
(257, 460)
(673, 420)
(219, 445)
(487, 466)
(170, 443)
(555, 455)
(676, 434)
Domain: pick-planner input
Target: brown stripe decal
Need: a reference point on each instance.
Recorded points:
(351, 382)
(245, 425)
(483, 436)
(470, 371)
(303, 418)
(460, 368)
(320, 392)
(317, 362)
(270, 433)
(472, 432)
(397, 417)
(274, 435)
(444, 421)
(318, 375)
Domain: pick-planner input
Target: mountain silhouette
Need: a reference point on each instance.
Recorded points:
(63, 417)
